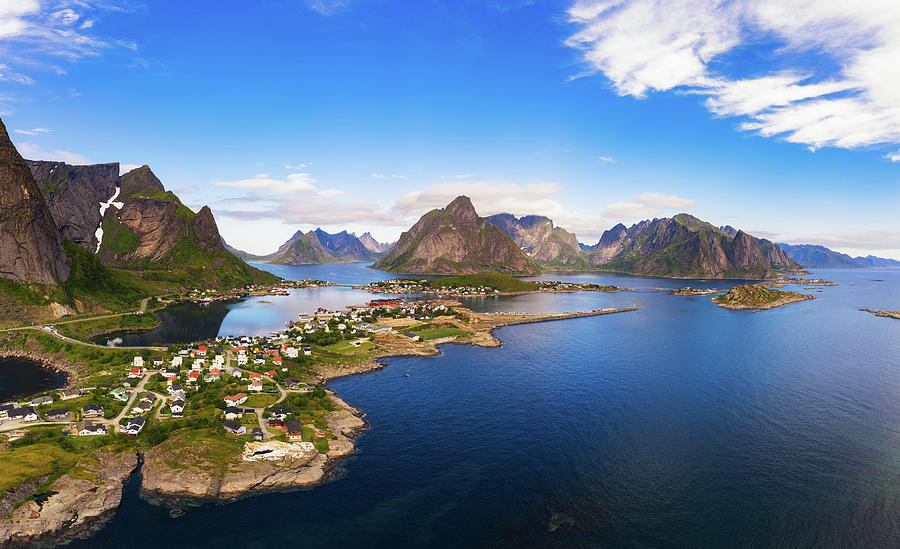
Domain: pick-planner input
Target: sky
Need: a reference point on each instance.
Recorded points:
(286, 115)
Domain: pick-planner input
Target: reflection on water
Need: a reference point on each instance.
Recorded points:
(20, 376)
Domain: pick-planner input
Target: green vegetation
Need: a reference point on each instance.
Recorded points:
(497, 281)
(437, 333)
(260, 401)
(345, 347)
(757, 296)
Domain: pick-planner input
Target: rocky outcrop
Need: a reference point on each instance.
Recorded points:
(75, 506)
(455, 240)
(73, 194)
(757, 297)
(31, 249)
(536, 235)
(373, 245)
(344, 246)
(173, 470)
(301, 249)
(687, 247)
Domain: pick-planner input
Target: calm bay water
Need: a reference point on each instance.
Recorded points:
(19, 376)
(679, 425)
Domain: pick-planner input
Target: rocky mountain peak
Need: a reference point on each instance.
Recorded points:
(140, 182)
(462, 208)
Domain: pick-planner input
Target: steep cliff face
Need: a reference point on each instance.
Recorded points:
(74, 194)
(31, 249)
(536, 235)
(455, 240)
(685, 246)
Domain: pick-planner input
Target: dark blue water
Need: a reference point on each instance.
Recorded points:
(22, 376)
(679, 425)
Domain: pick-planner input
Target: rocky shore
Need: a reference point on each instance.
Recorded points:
(172, 472)
(886, 314)
(75, 504)
(50, 361)
(757, 297)
(695, 291)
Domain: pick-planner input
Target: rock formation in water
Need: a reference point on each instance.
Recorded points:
(31, 249)
(455, 240)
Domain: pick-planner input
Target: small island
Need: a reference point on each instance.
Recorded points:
(758, 297)
(688, 291)
(804, 281)
(883, 313)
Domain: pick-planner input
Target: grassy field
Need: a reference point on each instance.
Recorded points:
(437, 333)
(85, 330)
(344, 347)
(259, 401)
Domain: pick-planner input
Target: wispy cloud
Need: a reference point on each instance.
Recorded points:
(609, 159)
(893, 156)
(35, 131)
(326, 7)
(34, 152)
(299, 166)
(295, 182)
(846, 97)
(646, 205)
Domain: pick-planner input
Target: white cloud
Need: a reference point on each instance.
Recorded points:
(35, 131)
(855, 240)
(295, 182)
(609, 159)
(87, 24)
(830, 80)
(664, 201)
(629, 210)
(332, 192)
(12, 76)
(396, 176)
(34, 152)
(377, 176)
(894, 156)
(326, 7)
(299, 166)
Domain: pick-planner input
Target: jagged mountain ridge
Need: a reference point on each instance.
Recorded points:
(540, 239)
(455, 240)
(373, 245)
(815, 256)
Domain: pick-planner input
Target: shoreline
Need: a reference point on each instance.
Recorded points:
(46, 361)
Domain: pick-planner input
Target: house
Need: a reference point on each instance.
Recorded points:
(233, 412)
(172, 389)
(169, 373)
(242, 360)
(69, 394)
(197, 366)
(87, 428)
(270, 373)
(412, 336)
(57, 414)
(92, 410)
(237, 372)
(5, 410)
(255, 375)
(177, 408)
(291, 384)
(135, 425)
(275, 422)
(258, 434)
(235, 428)
(193, 377)
(280, 413)
(135, 373)
(177, 361)
(201, 350)
(235, 400)
(119, 393)
(42, 401)
(277, 360)
(291, 352)
(142, 407)
(25, 413)
(294, 431)
(138, 362)
(157, 361)
(255, 385)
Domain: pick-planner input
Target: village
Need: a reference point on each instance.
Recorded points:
(443, 289)
(254, 387)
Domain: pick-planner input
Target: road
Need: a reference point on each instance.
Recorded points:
(134, 394)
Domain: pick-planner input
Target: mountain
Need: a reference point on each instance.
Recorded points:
(455, 240)
(536, 236)
(819, 257)
(373, 245)
(301, 249)
(344, 246)
(31, 248)
(872, 262)
(684, 246)
(145, 229)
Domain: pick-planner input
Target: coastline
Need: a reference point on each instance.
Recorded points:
(45, 360)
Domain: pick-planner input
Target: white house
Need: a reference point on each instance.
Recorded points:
(135, 425)
(86, 428)
(138, 362)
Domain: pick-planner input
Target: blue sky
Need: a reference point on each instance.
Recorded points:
(291, 114)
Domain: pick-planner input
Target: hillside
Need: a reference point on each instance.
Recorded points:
(301, 249)
(344, 246)
(455, 240)
(757, 296)
(819, 257)
(548, 245)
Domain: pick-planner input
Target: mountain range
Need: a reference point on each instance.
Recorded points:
(820, 257)
(318, 246)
